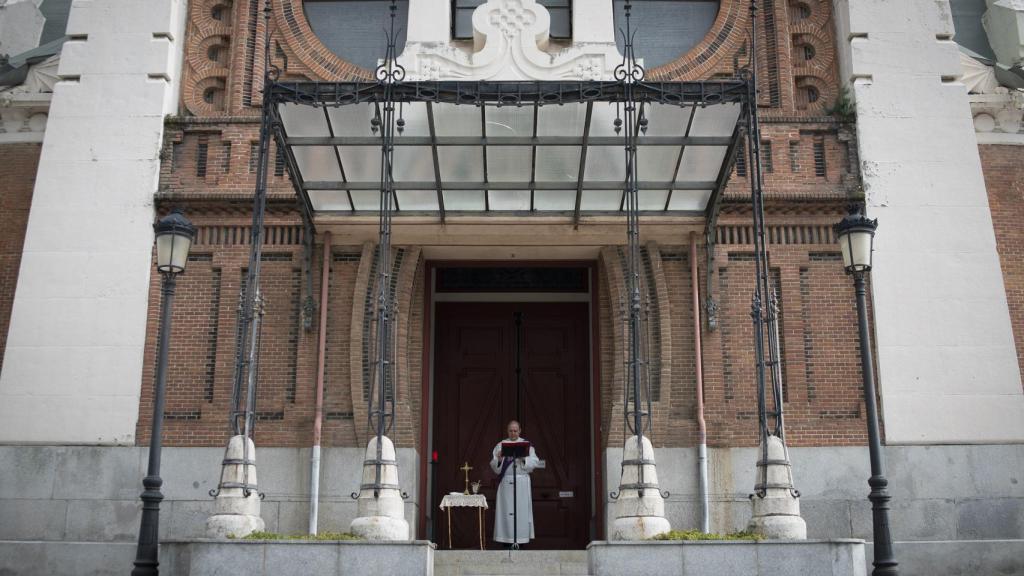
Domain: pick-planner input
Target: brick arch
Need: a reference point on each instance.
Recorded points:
(726, 36)
(821, 12)
(198, 54)
(200, 72)
(195, 97)
(824, 54)
(827, 92)
(293, 28)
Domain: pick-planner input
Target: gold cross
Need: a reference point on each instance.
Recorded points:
(466, 468)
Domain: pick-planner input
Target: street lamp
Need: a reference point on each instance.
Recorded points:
(856, 234)
(174, 234)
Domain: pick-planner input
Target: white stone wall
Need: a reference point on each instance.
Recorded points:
(946, 358)
(73, 363)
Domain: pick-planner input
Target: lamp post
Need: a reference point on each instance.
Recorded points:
(856, 234)
(174, 234)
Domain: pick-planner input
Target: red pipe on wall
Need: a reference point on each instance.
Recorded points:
(702, 457)
(318, 411)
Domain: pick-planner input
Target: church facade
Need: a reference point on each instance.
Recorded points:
(511, 300)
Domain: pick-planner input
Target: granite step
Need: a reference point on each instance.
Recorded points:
(522, 562)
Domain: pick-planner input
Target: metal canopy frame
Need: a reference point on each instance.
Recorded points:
(487, 95)
(630, 90)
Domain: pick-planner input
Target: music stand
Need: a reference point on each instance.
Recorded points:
(515, 450)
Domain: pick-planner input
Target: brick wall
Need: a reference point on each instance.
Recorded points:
(1003, 167)
(18, 164)
(821, 356)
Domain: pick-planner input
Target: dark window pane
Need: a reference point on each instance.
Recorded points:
(561, 22)
(560, 10)
(665, 29)
(354, 29)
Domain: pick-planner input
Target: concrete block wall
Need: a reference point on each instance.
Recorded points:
(79, 493)
(939, 493)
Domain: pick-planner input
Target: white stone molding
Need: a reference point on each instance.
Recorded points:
(511, 41)
(977, 77)
(24, 108)
(999, 117)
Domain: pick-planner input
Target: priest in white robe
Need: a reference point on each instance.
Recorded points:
(509, 528)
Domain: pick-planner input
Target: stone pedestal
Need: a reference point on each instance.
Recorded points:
(639, 517)
(381, 516)
(237, 512)
(777, 513)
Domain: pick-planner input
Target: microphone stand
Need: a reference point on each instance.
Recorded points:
(515, 507)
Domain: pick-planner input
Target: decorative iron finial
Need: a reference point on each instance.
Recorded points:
(390, 71)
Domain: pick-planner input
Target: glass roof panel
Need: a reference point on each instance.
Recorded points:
(317, 163)
(461, 163)
(656, 163)
(605, 163)
(689, 200)
(602, 122)
(509, 121)
(601, 200)
(302, 120)
(456, 120)
(701, 163)
(330, 200)
(417, 199)
(508, 163)
(716, 120)
(558, 163)
(564, 120)
(469, 200)
(352, 120)
(653, 199)
(413, 163)
(509, 199)
(366, 200)
(362, 163)
(415, 116)
(562, 200)
(667, 120)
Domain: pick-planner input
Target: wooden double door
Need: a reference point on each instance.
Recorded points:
(476, 393)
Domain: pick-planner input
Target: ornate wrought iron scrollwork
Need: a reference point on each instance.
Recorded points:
(630, 120)
(764, 310)
(381, 399)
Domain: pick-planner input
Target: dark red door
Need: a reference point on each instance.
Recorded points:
(476, 394)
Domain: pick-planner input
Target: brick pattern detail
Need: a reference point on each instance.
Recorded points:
(201, 359)
(1003, 167)
(18, 164)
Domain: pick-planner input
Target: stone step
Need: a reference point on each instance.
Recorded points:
(522, 562)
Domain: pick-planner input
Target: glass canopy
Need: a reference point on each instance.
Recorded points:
(513, 147)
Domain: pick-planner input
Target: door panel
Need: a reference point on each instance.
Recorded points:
(476, 394)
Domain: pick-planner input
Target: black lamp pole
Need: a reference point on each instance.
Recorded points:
(856, 237)
(174, 235)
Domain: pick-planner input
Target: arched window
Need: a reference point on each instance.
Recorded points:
(354, 29)
(665, 29)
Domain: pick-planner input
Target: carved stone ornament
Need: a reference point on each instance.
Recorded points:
(511, 41)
